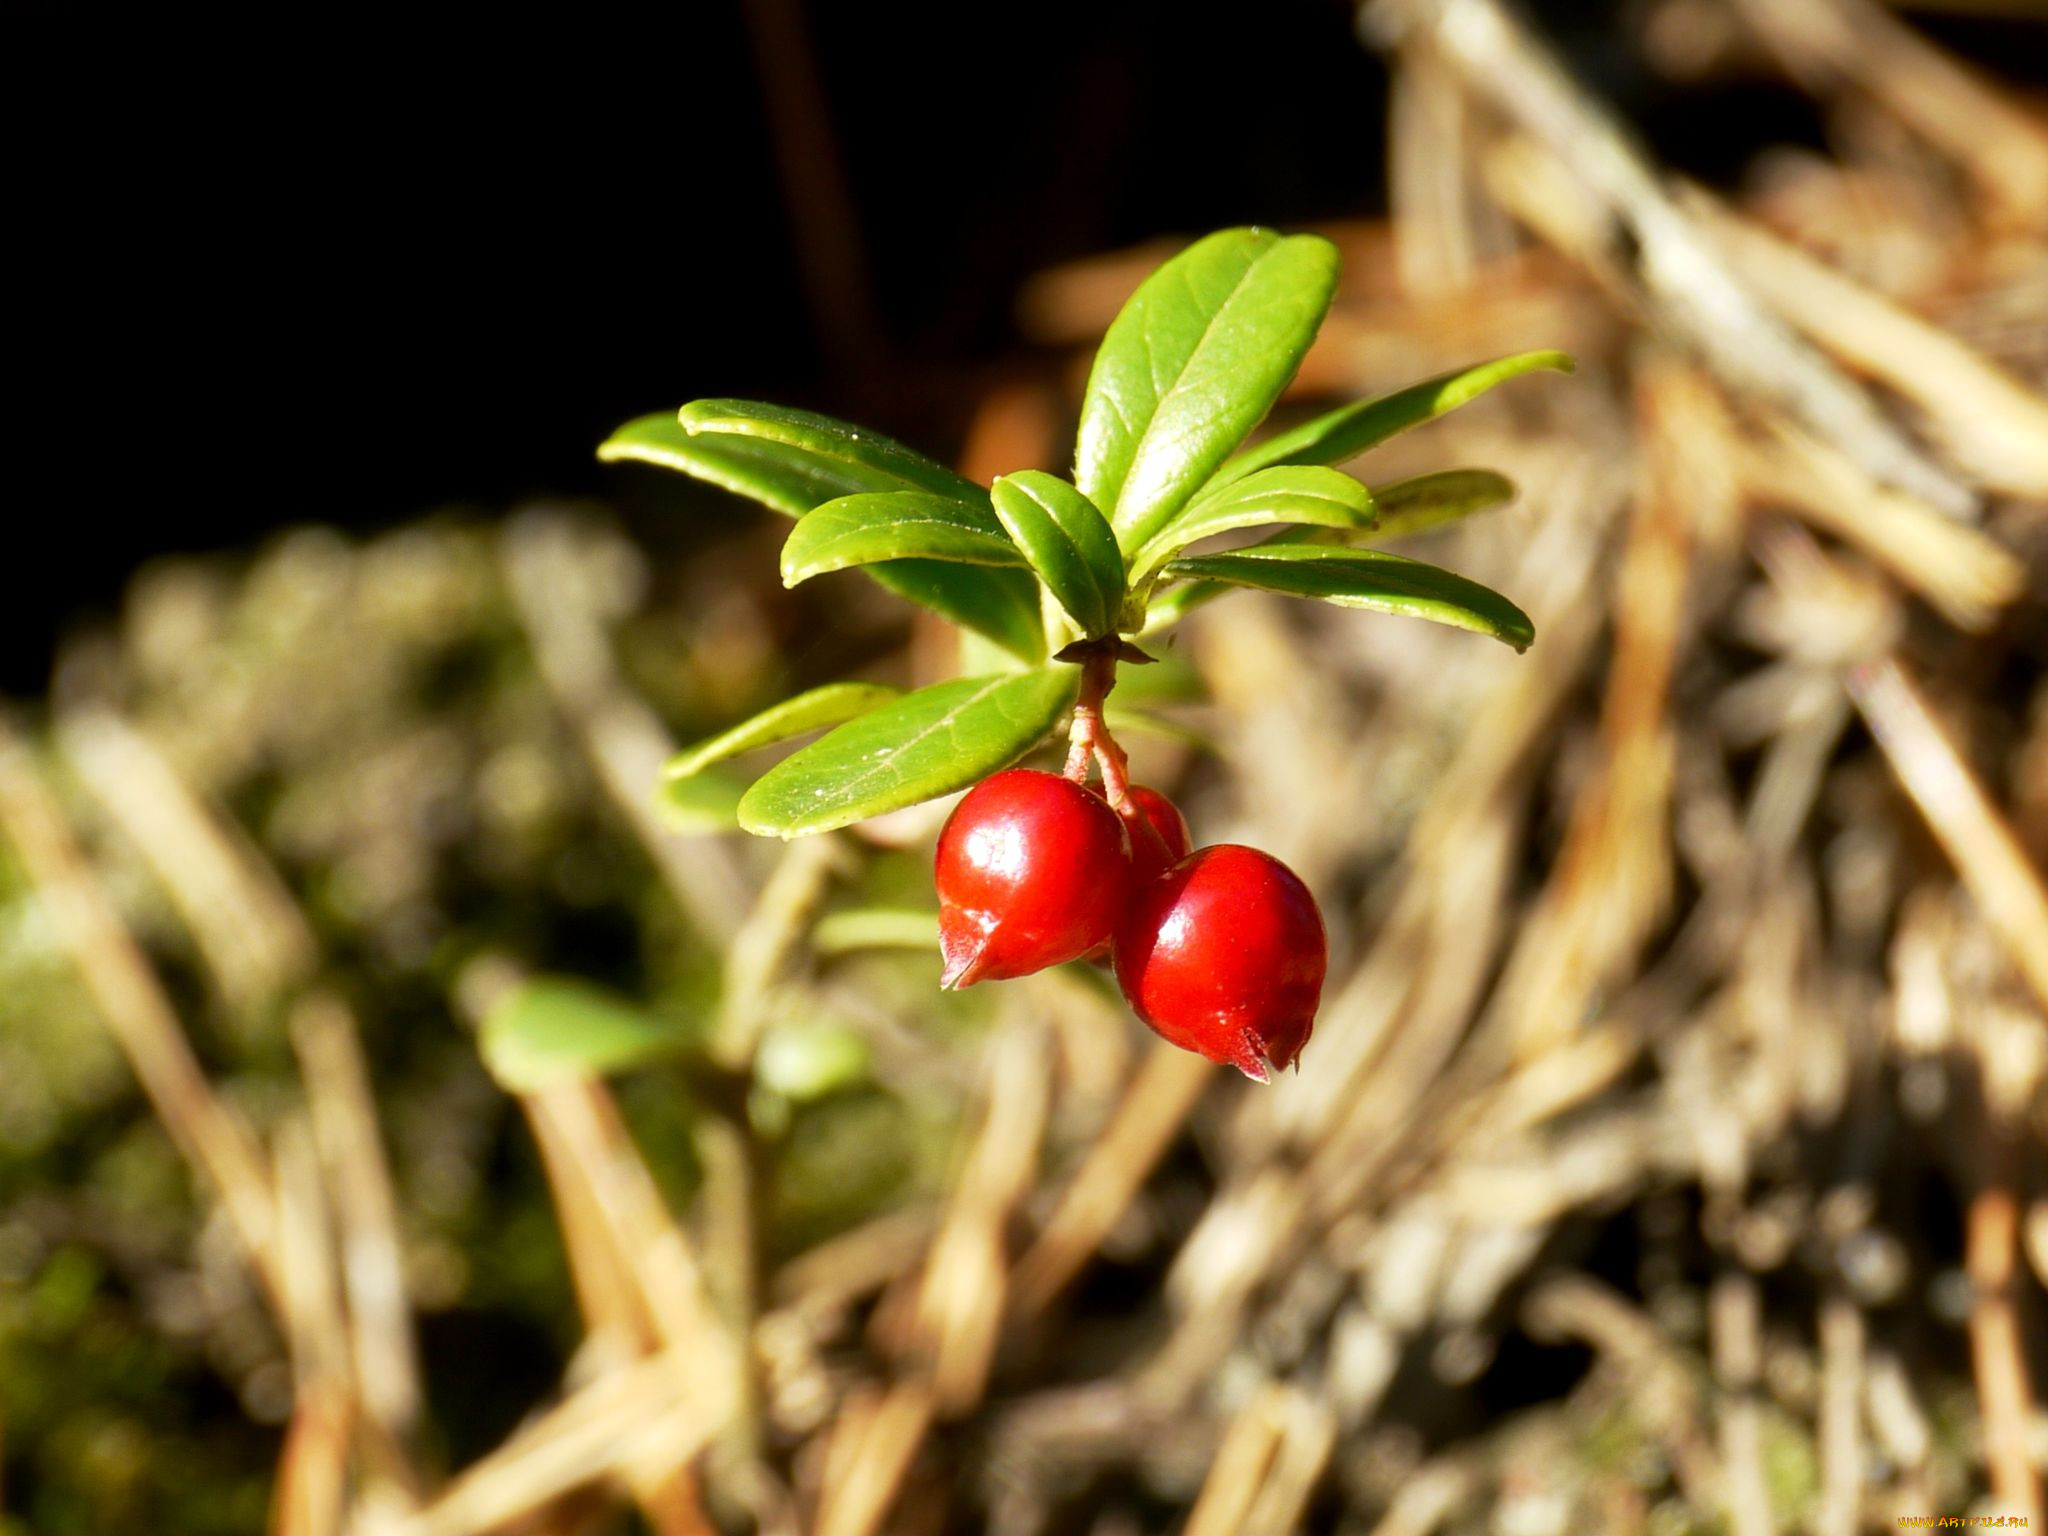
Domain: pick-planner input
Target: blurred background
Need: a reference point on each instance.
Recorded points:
(1669, 1157)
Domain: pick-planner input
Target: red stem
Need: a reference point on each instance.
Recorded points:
(1091, 737)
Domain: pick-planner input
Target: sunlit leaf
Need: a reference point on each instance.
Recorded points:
(1366, 578)
(825, 437)
(804, 469)
(785, 480)
(1193, 362)
(809, 711)
(895, 525)
(919, 747)
(1349, 430)
(1291, 493)
(1069, 544)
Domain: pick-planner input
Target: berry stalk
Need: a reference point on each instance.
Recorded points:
(1091, 738)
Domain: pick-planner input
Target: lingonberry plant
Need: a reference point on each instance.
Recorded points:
(1220, 950)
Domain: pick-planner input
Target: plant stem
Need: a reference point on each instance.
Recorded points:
(1091, 737)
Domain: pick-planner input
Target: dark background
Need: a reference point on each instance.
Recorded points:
(264, 277)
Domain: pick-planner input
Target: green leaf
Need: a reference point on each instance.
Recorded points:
(1402, 508)
(826, 438)
(703, 802)
(1291, 493)
(1069, 544)
(809, 711)
(1193, 362)
(1429, 501)
(1349, 430)
(895, 525)
(857, 928)
(924, 745)
(783, 479)
(1366, 578)
(793, 478)
(552, 1028)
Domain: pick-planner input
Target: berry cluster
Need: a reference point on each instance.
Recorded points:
(1220, 949)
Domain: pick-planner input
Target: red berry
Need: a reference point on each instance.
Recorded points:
(1159, 837)
(1032, 870)
(1224, 955)
(1159, 840)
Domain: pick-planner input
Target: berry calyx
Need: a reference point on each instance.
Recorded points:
(1032, 870)
(1224, 955)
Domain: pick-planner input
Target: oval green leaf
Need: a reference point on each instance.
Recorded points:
(1288, 493)
(1069, 543)
(826, 437)
(895, 525)
(794, 478)
(1366, 578)
(1192, 363)
(923, 745)
(780, 478)
(1349, 430)
(812, 710)
(552, 1028)
(1429, 501)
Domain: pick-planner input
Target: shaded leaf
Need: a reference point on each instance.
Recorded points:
(1291, 493)
(1429, 501)
(1193, 362)
(1069, 544)
(921, 746)
(1001, 604)
(809, 711)
(1349, 430)
(1366, 578)
(552, 1028)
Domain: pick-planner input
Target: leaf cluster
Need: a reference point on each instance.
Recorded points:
(1042, 566)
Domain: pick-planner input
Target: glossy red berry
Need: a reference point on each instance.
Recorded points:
(1159, 838)
(1224, 955)
(1032, 870)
